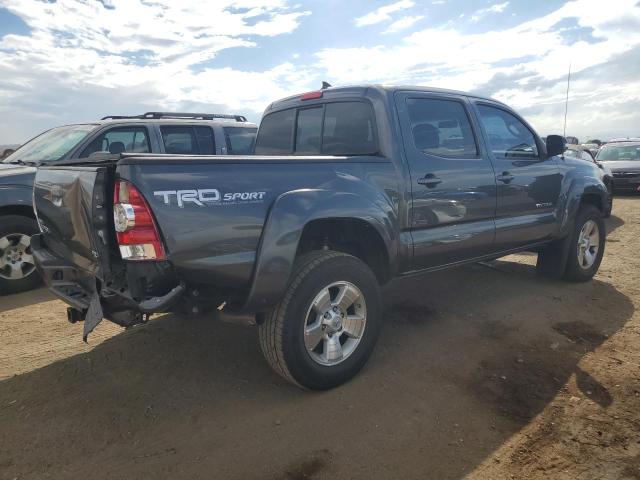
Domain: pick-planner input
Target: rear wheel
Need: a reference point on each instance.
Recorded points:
(17, 269)
(325, 328)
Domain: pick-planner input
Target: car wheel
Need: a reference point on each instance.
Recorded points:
(17, 269)
(323, 331)
(587, 245)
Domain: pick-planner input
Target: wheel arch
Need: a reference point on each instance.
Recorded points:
(579, 194)
(19, 210)
(351, 235)
(365, 227)
(16, 200)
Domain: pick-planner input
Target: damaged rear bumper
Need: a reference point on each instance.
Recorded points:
(82, 290)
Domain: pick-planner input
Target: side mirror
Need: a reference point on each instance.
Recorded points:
(556, 145)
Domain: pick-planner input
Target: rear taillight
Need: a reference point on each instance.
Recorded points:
(137, 233)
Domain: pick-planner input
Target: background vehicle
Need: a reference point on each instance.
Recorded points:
(349, 188)
(623, 158)
(582, 152)
(157, 132)
(623, 139)
(6, 150)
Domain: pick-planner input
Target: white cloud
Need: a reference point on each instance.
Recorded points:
(160, 47)
(496, 8)
(470, 61)
(403, 23)
(383, 14)
(81, 61)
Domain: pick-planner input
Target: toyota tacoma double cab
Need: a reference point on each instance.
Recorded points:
(348, 188)
(156, 132)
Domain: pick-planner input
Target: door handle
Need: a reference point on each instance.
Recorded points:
(429, 180)
(506, 177)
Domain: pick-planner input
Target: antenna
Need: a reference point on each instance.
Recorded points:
(566, 103)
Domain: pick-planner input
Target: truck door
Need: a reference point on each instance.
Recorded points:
(452, 184)
(528, 182)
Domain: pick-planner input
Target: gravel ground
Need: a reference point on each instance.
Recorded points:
(483, 372)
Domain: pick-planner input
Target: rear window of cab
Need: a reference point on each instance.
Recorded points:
(337, 128)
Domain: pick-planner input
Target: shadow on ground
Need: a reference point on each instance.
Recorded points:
(19, 300)
(466, 358)
(613, 223)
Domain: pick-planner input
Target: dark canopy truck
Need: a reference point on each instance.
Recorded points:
(348, 189)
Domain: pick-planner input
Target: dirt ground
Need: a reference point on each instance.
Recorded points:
(482, 372)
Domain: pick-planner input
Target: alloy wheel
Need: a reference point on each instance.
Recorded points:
(16, 260)
(335, 323)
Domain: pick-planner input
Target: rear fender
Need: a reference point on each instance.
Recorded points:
(284, 226)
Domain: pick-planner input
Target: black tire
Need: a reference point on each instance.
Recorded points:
(10, 225)
(574, 272)
(281, 334)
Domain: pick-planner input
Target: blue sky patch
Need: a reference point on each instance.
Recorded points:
(81, 59)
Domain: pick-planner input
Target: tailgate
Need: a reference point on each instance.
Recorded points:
(73, 213)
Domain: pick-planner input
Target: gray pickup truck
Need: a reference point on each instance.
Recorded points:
(348, 189)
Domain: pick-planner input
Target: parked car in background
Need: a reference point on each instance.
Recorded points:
(572, 140)
(6, 150)
(153, 132)
(349, 188)
(624, 139)
(606, 175)
(579, 151)
(623, 158)
(592, 148)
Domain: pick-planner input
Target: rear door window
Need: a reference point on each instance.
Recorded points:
(188, 140)
(120, 140)
(441, 127)
(239, 141)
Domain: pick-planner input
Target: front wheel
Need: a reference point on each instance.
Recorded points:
(324, 330)
(587, 245)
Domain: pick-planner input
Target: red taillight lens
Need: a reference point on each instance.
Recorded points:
(136, 231)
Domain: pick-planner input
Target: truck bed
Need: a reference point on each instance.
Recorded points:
(210, 212)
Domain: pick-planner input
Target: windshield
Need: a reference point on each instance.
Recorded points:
(51, 145)
(619, 152)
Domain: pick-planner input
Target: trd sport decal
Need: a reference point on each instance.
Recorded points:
(208, 196)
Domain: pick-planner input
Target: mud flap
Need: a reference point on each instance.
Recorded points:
(93, 317)
(552, 260)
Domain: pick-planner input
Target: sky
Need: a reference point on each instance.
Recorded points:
(70, 61)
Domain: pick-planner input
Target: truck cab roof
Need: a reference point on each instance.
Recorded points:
(333, 93)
